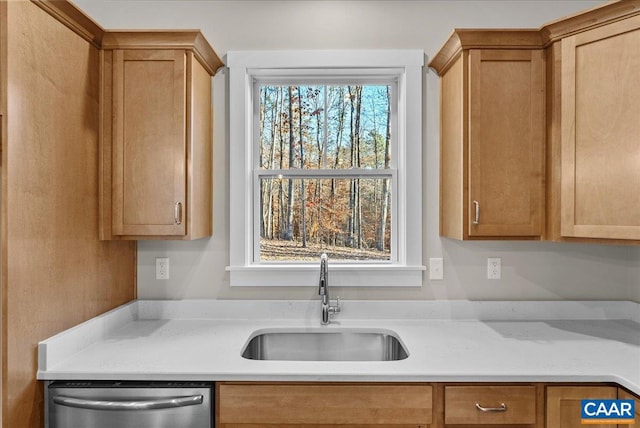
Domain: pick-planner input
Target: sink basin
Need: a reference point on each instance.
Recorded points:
(323, 345)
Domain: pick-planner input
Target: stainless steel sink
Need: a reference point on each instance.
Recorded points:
(322, 345)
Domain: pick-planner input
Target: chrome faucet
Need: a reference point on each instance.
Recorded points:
(323, 291)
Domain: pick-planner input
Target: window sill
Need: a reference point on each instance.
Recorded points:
(340, 274)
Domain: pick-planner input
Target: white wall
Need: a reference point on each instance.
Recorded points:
(531, 270)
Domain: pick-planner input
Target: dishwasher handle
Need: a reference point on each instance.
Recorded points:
(160, 403)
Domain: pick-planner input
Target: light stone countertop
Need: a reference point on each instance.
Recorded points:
(447, 341)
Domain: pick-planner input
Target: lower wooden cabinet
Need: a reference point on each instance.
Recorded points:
(324, 404)
(418, 405)
(622, 394)
(564, 404)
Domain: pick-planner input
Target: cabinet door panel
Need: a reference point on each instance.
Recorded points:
(564, 404)
(600, 128)
(149, 120)
(506, 142)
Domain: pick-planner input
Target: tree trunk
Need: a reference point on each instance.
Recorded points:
(358, 165)
(272, 155)
(263, 217)
(355, 217)
(321, 143)
(339, 133)
(303, 198)
(382, 226)
(352, 189)
(281, 213)
(288, 231)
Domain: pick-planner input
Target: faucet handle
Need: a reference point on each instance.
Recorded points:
(335, 309)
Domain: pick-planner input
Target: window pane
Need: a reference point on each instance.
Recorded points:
(325, 126)
(348, 218)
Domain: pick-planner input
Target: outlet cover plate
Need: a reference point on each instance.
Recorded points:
(162, 267)
(436, 268)
(494, 268)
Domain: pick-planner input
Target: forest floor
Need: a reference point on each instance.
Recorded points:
(275, 250)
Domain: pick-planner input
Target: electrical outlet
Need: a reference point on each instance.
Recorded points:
(436, 269)
(494, 268)
(162, 267)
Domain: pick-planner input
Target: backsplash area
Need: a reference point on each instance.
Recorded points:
(530, 271)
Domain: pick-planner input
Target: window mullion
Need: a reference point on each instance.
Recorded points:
(326, 173)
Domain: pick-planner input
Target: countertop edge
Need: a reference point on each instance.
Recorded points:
(209, 377)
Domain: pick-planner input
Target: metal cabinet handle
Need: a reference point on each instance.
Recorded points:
(161, 403)
(177, 213)
(477, 218)
(502, 408)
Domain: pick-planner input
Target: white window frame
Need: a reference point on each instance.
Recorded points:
(406, 67)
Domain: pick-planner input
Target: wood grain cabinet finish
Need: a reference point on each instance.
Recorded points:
(54, 274)
(600, 111)
(427, 405)
(492, 140)
(564, 404)
(363, 405)
(625, 395)
(539, 129)
(156, 138)
(496, 405)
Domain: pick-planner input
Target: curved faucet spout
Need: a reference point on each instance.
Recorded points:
(324, 276)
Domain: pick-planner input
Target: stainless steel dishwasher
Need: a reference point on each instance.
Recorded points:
(109, 404)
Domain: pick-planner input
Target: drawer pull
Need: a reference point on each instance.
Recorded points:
(502, 408)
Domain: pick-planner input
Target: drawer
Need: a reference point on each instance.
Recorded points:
(465, 404)
(302, 404)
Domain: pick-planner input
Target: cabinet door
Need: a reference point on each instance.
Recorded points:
(600, 129)
(624, 395)
(564, 404)
(506, 142)
(149, 142)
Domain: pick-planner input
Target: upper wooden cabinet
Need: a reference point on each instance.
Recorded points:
(492, 124)
(539, 130)
(156, 135)
(600, 129)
